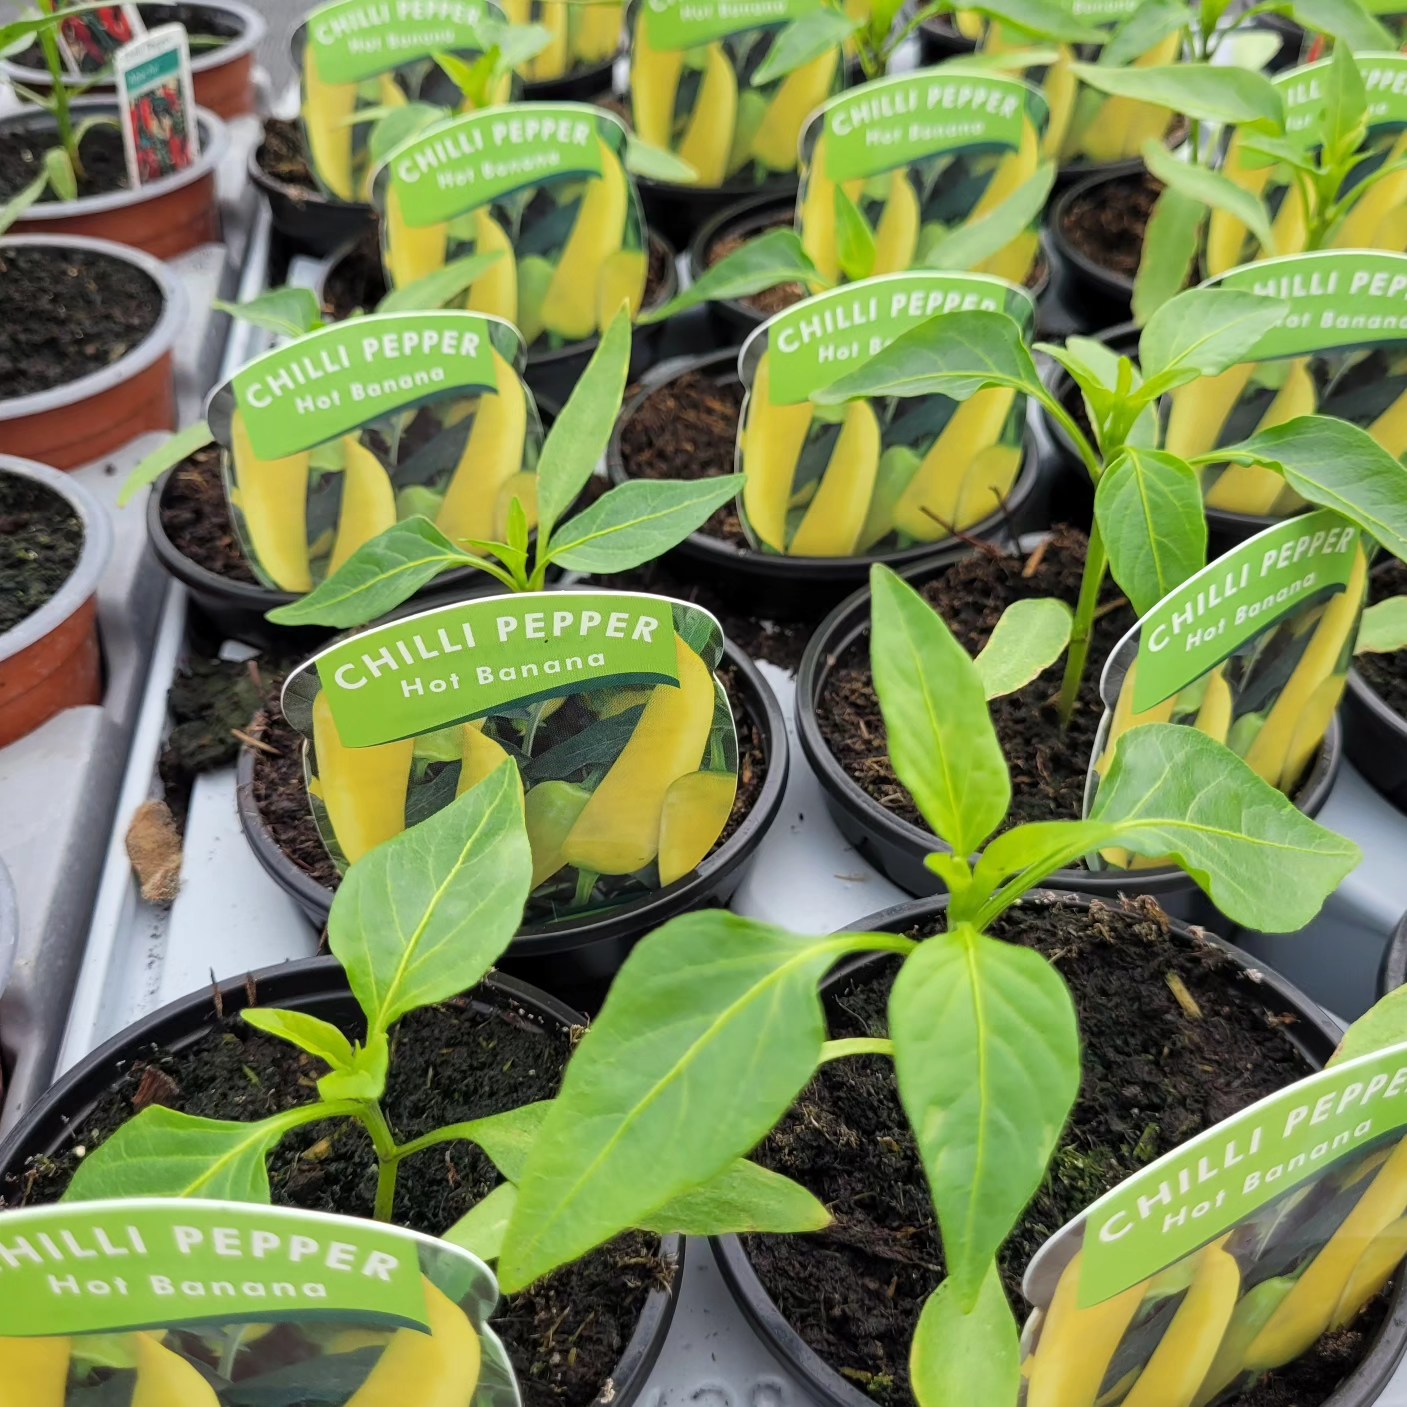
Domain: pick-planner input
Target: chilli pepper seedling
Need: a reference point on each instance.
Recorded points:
(715, 1023)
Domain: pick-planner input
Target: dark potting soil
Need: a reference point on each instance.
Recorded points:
(448, 1064)
(22, 159)
(1107, 223)
(66, 313)
(1153, 1077)
(1386, 675)
(283, 156)
(1048, 764)
(41, 540)
(281, 797)
(195, 515)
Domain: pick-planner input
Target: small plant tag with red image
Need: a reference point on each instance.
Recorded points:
(89, 41)
(156, 105)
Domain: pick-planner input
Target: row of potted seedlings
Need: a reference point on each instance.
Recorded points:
(975, 1098)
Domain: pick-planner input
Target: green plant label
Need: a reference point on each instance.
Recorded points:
(703, 86)
(531, 200)
(1254, 649)
(1103, 12)
(871, 477)
(335, 437)
(1274, 1227)
(180, 1301)
(606, 703)
(1306, 95)
(351, 40)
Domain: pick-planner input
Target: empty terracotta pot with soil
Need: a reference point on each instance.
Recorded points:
(839, 1306)
(224, 38)
(165, 218)
(55, 541)
(1374, 709)
(307, 220)
(87, 332)
(586, 1334)
(842, 731)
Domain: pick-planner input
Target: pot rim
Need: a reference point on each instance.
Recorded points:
(255, 28)
(1393, 972)
(1115, 284)
(1361, 1388)
(302, 195)
(848, 622)
(214, 142)
(541, 941)
(1368, 698)
(543, 89)
(9, 927)
(731, 556)
(82, 582)
(155, 345)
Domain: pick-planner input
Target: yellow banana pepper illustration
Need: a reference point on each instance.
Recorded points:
(897, 467)
(1252, 488)
(818, 214)
(623, 279)
(1374, 1269)
(411, 253)
(802, 91)
(570, 309)
(1290, 227)
(618, 831)
(1360, 226)
(551, 810)
(165, 1379)
(986, 485)
(708, 137)
(598, 33)
(363, 788)
(1214, 716)
(1309, 731)
(352, 1340)
(696, 810)
(495, 292)
(1014, 261)
(832, 524)
(555, 59)
(1123, 125)
(1078, 1345)
(1226, 235)
(1247, 1320)
(773, 438)
(33, 1372)
(523, 487)
(1188, 1347)
(654, 86)
(1390, 428)
(482, 756)
(1200, 409)
(534, 280)
(368, 502)
(438, 1369)
(327, 124)
(1392, 233)
(896, 239)
(492, 456)
(1124, 721)
(272, 497)
(1060, 87)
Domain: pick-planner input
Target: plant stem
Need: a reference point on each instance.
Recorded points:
(388, 1157)
(1096, 567)
(924, 13)
(53, 61)
(1066, 421)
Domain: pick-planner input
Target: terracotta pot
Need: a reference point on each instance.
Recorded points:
(224, 77)
(75, 424)
(50, 661)
(169, 217)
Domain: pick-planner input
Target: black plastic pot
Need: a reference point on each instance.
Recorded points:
(1099, 297)
(577, 962)
(582, 85)
(940, 39)
(1375, 741)
(307, 221)
(678, 212)
(1308, 1027)
(898, 848)
(771, 586)
(318, 987)
(1393, 973)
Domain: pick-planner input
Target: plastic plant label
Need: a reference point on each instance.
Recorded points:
(335, 437)
(1253, 650)
(197, 1302)
(606, 704)
(1304, 93)
(871, 477)
(88, 41)
(1341, 350)
(1233, 1254)
(156, 103)
(583, 36)
(692, 91)
(540, 189)
(894, 166)
(371, 78)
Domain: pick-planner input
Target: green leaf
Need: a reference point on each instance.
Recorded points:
(434, 290)
(638, 521)
(941, 739)
(166, 456)
(953, 354)
(1202, 332)
(13, 209)
(15, 30)
(421, 918)
(1345, 20)
(310, 1033)
(395, 126)
(1345, 106)
(972, 1357)
(657, 164)
(376, 578)
(580, 434)
(1149, 508)
(365, 1078)
(1203, 92)
(854, 239)
(59, 169)
(517, 43)
(507, 1138)
(1042, 19)
(1211, 188)
(1335, 465)
(710, 1030)
(481, 1230)
(1170, 244)
(987, 1053)
(1384, 628)
(1383, 1024)
(163, 1153)
(802, 40)
(742, 1198)
(1027, 640)
(765, 262)
(1146, 27)
(291, 312)
(970, 243)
